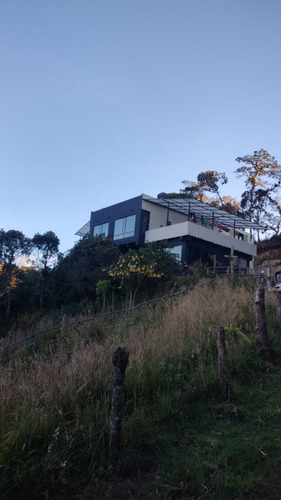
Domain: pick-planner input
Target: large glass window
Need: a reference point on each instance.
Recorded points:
(124, 228)
(176, 251)
(101, 230)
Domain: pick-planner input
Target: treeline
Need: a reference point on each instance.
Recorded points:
(269, 249)
(93, 275)
(14, 246)
(272, 243)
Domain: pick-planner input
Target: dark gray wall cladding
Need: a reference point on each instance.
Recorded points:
(197, 249)
(119, 211)
(144, 225)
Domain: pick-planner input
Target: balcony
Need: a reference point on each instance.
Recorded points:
(213, 235)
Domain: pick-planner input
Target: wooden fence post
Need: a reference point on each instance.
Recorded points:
(260, 318)
(221, 361)
(32, 340)
(120, 361)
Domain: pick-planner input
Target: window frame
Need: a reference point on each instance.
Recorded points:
(126, 230)
(102, 232)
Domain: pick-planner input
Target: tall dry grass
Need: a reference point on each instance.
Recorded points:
(59, 394)
(78, 361)
(178, 327)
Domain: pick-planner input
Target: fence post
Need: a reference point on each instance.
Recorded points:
(120, 360)
(260, 318)
(32, 340)
(221, 361)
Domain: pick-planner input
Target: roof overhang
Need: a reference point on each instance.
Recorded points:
(189, 206)
(83, 230)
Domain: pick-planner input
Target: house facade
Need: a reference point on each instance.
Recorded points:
(194, 230)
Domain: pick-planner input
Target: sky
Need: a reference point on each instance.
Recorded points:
(103, 100)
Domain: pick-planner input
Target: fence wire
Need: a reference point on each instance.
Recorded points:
(147, 408)
(32, 335)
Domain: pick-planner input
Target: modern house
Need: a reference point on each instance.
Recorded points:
(194, 230)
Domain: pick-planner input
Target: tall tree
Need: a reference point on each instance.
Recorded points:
(13, 244)
(207, 182)
(227, 203)
(47, 247)
(273, 218)
(77, 274)
(262, 175)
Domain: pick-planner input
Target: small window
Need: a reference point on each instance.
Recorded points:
(101, 230)
(124, 228)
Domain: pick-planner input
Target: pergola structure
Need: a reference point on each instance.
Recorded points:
(192, 207)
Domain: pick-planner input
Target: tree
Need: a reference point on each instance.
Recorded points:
(227, 203)
(273, 218)
(47, 247)
(13, 244)
(208, 181)
(262, 179)
(9, 280)
(77, 274)
(101, 289)
(134, 269)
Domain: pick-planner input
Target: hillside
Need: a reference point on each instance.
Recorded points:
(183, 438)
(269, 250)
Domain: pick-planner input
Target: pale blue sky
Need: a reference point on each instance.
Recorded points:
(104, 100)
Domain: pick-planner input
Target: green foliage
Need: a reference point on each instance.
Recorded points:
(273, 243)
(198, 270)
(77, 274)
(47, 247)
(262, 175)
(140, 268)
(180, 440)
(207, 181)
(13, 244)
(234, 330)
(102, 286)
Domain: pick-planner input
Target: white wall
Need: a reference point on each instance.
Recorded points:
(201, 232)
(158, 215)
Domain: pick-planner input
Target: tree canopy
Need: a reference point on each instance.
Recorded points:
(47, 247)
(77, 274)
(13, 244)
(259, 202)
(138, 267)
(207, 182)
(262, 177)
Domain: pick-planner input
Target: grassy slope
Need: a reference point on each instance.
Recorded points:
(221, 450)
(181, 439)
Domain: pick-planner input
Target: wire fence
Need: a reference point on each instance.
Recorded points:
(32, 335)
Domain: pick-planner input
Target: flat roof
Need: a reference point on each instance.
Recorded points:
(190, 206)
